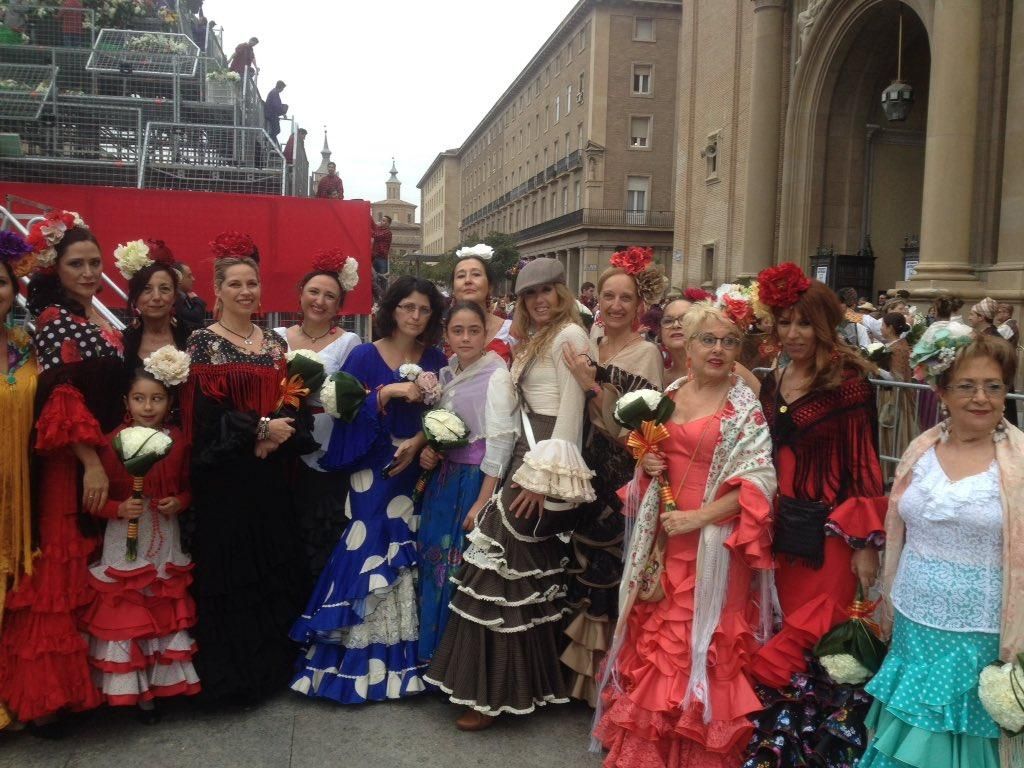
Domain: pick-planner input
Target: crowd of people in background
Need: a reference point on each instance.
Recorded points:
(661, 502)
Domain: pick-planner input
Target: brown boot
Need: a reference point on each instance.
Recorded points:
(471, 720)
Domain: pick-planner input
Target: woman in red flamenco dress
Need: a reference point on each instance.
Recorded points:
(828, 523)
(44, 666)
(675, 688)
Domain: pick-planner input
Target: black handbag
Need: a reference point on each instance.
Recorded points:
(800, 530)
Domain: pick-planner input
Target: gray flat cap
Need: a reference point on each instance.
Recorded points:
(539, 272)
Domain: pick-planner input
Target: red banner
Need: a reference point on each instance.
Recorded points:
(287, 231)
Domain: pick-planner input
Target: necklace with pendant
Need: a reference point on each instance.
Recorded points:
(315, 339)
(245, 339)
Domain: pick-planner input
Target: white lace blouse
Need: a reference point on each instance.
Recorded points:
(950, 574)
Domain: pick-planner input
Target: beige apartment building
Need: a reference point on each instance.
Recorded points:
(440, 193)
(577, 158)
(406, 234)
(785, 151)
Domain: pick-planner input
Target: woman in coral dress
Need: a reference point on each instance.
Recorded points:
(676, 690)
(44, 666)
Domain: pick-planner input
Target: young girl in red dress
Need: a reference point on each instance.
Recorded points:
(138, 623)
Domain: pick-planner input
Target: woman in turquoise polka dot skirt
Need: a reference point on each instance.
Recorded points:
(947, 576)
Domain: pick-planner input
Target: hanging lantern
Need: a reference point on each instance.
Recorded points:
(898, 98)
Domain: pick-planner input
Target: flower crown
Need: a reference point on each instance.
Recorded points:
(345, 267)
(934, 353)
(781, 287)
(638, 262)
(236, 245)
(168, 365)
(47, 233)
(134, 256)
(479, 251)
(16, 252)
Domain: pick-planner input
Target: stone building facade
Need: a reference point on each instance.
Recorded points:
(808, 167)
(577, 157)
(440, 193)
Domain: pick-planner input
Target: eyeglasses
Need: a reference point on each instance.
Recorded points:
(415, 309)
(991, 389)
(709, 340)
(670, 321)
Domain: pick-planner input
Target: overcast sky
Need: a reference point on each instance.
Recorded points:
(410, 82)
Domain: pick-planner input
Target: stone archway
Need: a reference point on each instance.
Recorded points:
(827, 186)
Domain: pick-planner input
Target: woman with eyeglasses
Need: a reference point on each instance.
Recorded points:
(828, 527)
(675, 340)
(620, 361)
(499, 651)
(676, 688)
(953, 579)
(359, 629)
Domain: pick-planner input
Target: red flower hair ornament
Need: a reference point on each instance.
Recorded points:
(48, 232)
(633, 260)
(781, 286)
(638, 263)
(345, 267)
(234, 245)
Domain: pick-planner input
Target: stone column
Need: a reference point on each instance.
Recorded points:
(763, 152)
(1011, 217)
(950, 143)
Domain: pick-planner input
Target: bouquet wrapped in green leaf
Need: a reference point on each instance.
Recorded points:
(342, 395)
(645, 411)
(305, 374)
(139, 448)
(444, 430)
(853, 651)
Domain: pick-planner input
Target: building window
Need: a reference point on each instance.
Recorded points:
(580, 88)
(546, 163)
(582, 42)
(568, 99)
(637, 190)
(639, 132)
(558, 108)
(579, 137)
(547, 118)
(556, 150)
(707, 275)
(410, 218)
(577, 192)
(565, 200)
(643, 29)
(641, 79)
(567, 146)
(710, 155)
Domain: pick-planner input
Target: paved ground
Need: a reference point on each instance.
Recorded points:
(291, 732)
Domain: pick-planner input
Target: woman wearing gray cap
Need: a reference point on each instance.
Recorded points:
(500, 649)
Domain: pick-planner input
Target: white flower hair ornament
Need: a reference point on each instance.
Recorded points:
(478, 251)
(132, 257)
(168, 365)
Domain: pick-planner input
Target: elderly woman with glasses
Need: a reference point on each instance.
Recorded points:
(360, 626)
(955, 608)
(677, 690)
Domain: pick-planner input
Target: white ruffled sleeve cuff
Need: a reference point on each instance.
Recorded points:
(555, 468)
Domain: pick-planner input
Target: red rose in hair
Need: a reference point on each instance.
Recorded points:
(329, 260)
(739, 311)
(633, 260)
(780, 287)
(696, 294)
(159, 252)
(233, 244)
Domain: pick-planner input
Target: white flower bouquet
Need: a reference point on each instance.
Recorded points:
(409, 371)
(139, 448)
(645, 411)
(877, 353)
(444, 430)
(425, 380)
(1001, 690)
(342, 396)
(852, 652)
(169, 365)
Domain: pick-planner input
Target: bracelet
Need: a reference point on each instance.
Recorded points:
(592, 392)
(263, 429)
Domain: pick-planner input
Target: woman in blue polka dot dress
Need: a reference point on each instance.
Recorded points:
(953, 532)
(360, 625)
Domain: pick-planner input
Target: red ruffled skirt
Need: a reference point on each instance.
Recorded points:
(44, 663)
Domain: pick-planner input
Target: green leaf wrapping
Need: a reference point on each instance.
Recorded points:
(311, 371)
(445, 443)
(139, 464)
(350, 395)
(856, 638)
(632, 415)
